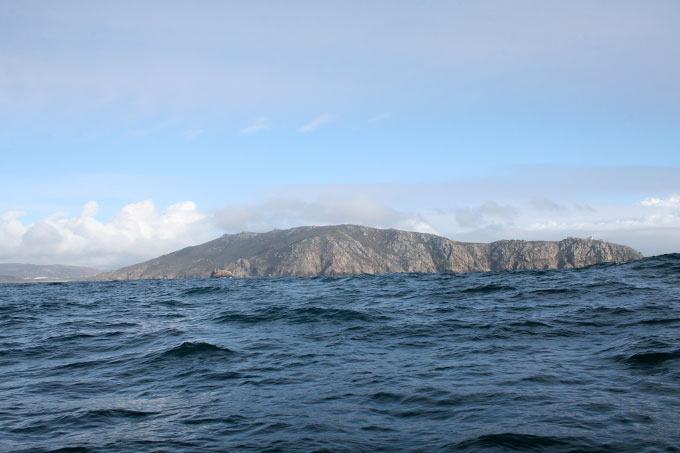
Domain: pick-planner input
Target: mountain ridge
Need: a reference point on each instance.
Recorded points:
(337, 250)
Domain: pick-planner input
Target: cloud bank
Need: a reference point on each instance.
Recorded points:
(136, 233)
(140, 231)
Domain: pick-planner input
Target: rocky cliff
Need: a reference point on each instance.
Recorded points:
(352, 249)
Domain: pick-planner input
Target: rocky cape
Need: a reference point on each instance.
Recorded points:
(351, 249)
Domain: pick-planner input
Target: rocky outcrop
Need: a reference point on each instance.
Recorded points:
(351, 249)
(221, 273)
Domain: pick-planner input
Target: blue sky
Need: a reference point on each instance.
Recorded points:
(475, 120)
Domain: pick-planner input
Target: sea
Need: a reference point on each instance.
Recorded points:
(578, 360)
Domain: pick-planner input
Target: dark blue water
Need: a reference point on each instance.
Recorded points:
(570, 360)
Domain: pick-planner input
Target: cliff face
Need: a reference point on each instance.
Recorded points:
(351, 249)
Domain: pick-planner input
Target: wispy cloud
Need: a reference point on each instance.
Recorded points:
(489, 213)
(191, 134)
(317, 122)
(378, 118)
(258, 125)
(544, 204)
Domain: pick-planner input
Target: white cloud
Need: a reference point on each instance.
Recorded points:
(378, 118)
(489, 213)
(137, 232)
(285, 213)
(317, 122)
(194, 133)
(258, 125)
(418, 225)
(545, 204)
(670, 202)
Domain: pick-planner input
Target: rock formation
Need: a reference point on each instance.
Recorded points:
(351, 249)
(221, 273)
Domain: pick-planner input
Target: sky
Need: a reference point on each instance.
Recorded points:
(132, 129)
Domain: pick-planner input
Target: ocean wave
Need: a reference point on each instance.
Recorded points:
(194, 349)
(301, 315)
(649, 359)
(199, 290)
(489, 288)
(510, 441)
(114, 413)
(81, 420)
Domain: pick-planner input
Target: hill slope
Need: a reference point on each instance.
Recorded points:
(17, 272)
(351, 249)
